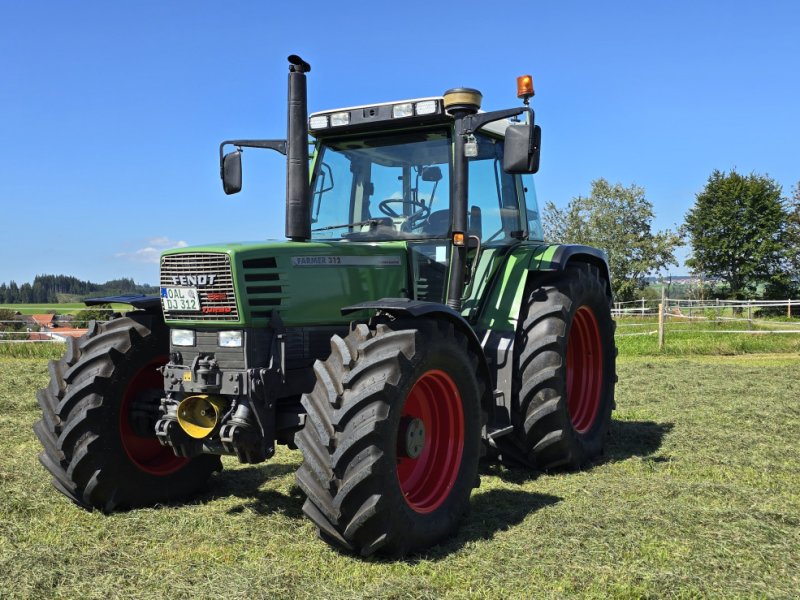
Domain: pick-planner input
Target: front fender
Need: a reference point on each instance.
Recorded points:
(404, 307)
(135, 300)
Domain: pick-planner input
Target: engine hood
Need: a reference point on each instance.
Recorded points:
(241, 284)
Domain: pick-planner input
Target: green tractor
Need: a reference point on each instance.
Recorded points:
(413, 322)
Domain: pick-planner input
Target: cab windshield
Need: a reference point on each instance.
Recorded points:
(398, 187)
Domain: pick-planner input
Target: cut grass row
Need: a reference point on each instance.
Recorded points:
(698, 495)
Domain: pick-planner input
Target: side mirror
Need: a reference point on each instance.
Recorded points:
(433, 173)
(232, 172)
(522, 149)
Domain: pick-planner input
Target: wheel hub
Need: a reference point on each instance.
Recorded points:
(414, 437)
(430, 441)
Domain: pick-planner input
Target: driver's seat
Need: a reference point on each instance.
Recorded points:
(437, 224)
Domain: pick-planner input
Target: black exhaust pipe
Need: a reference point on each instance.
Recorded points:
(298, 194)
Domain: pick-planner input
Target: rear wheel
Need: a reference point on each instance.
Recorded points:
(565, 369)
(392, 437)
(97, 421)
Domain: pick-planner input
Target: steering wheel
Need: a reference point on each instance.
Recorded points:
(422, 210)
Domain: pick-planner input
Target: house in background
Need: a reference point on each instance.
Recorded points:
(48, 327)
(46, 321)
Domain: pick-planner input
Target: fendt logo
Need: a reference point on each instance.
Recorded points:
(194, 280)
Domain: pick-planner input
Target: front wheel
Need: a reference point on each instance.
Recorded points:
(392, 437)
(565, 359)
(98, 415)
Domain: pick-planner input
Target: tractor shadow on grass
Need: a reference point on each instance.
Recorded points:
(245, 483)
(491, 512)
(626, 439)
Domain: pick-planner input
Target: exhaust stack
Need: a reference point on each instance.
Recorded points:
(298, 207)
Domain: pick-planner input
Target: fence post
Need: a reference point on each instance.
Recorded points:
(660, 326)
(789, 308)
(749, 314)
(717, 313)
(643, 308)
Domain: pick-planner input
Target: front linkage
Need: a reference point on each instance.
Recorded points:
(212, 410)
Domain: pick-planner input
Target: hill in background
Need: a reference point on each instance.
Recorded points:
(64, 288)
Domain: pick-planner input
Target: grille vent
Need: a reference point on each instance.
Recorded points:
(219, 296)
(264, 289)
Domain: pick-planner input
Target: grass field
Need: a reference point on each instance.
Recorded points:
(698, 495)
(637, 336)
(69, 308)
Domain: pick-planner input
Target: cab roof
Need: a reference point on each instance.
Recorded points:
(388, 115)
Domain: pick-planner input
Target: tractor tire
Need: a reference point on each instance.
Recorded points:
(565, 373)
(90, 447)
(392, 437)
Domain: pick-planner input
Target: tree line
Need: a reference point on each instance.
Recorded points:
(744, 235)
(51, 289)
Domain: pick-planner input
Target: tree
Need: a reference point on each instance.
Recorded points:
(793, 236)
(616, 219)
(9, 322)
(738, 232)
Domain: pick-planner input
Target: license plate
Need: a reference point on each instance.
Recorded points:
(180, 299)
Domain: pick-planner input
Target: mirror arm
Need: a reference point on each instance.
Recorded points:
(474, 122)
(277, 145)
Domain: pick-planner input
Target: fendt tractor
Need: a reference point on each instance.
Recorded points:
(413, 322)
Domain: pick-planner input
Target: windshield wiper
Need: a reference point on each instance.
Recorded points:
(356, 224)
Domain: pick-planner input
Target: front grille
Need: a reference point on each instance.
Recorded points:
(265, 291)
(217, 300)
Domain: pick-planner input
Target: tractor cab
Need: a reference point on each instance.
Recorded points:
(386, 186)
(391, 178)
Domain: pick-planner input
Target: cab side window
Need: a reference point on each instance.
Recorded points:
(331, 197)
(493, 205)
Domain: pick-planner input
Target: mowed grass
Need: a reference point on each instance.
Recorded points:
(698, 496)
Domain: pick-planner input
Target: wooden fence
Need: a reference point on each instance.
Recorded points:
(653, 317)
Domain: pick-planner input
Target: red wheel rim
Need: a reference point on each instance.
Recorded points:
(146, 453)
(584, 369)
(426, 481)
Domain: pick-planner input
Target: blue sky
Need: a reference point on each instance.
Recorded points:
(112, 112)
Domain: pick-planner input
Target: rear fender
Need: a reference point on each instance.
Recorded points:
(499, 310)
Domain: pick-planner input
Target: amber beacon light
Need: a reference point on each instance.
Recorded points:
(525, 87)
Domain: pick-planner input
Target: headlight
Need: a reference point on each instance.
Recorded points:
(339, 119)
(182, 337)
(230, 339)
(426, 107)
(318, 122)
(402, 110)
